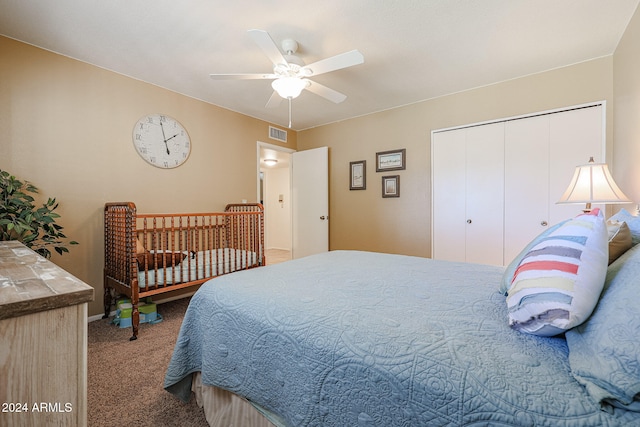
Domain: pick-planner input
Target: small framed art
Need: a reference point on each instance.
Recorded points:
(391, 186)
(358, 175)
(391, 160)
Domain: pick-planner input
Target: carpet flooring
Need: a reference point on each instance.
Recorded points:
(125, 378)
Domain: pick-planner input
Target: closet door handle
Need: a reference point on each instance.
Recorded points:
(469, 221)
(544, 223)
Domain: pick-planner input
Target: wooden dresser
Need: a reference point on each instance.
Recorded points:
(43, 341)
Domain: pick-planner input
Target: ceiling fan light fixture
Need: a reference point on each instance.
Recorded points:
(289, 87)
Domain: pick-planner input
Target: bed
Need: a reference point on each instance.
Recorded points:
(350, 338)
(151, 254)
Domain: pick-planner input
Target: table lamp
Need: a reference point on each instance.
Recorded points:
(593, 183)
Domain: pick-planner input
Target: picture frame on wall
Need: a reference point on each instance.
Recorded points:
(391, 160)
(358, 175)
(391, 186)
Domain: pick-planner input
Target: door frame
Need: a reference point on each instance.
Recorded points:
(259, 146)
(262, 145)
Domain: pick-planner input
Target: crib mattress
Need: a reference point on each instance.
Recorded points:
(200, 265)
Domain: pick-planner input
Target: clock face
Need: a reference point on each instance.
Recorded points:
(161, 141)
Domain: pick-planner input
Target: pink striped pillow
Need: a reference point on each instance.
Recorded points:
(558, 282)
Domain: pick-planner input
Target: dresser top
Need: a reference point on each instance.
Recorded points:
(30, 283)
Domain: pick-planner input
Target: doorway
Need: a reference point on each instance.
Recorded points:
(274, 192)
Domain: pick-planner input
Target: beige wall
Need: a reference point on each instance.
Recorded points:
(66, 126)
(363, 219)
(626, 132)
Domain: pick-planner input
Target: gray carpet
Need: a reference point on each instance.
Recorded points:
(125, 377)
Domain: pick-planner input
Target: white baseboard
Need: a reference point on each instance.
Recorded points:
(160, 301)
(99, 316)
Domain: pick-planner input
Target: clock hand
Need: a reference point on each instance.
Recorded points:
(164, 138)
(171, 137)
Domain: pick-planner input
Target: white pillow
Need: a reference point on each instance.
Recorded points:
(558, 282)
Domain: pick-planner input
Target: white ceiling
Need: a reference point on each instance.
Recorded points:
(414, 49)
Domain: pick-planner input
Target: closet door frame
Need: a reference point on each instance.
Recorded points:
(600, 156)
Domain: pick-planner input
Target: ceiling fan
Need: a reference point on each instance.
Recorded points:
(290, 75)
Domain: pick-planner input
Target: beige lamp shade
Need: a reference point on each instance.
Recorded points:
(593, 183)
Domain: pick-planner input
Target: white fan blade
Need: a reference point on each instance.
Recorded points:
(274, 101)
(268, 46)
(333, 63)
(242, 76)
(325, 92)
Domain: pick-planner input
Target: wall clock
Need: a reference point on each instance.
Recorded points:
(161, 141)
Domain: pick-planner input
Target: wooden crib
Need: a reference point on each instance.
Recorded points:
(150, 254)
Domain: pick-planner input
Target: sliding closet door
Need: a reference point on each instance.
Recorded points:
(541, 154)
(575, 135)
(485, 194)
(495, 186)
(449, 195)
(526, 176)
(468, 194)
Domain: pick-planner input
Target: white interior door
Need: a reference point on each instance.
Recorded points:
(310, 201)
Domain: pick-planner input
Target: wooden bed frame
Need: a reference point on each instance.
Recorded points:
(180, 250)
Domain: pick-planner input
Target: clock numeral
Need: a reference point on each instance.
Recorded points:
(138, 137)
(149, 120)
(163, 119)
(152, 159)
(166, 164)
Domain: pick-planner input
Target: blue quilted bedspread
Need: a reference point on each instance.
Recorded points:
(350, 338)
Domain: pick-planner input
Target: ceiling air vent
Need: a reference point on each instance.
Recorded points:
(277, 134)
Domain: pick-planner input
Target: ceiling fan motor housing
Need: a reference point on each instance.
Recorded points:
(289, 46)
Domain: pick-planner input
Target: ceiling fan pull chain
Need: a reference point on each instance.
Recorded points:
(289, 112)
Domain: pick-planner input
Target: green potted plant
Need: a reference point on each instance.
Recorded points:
(21, 220)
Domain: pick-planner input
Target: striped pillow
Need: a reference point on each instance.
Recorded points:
(507, 277)
(558, 282)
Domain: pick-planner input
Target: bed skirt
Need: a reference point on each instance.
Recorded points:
(225, 409)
